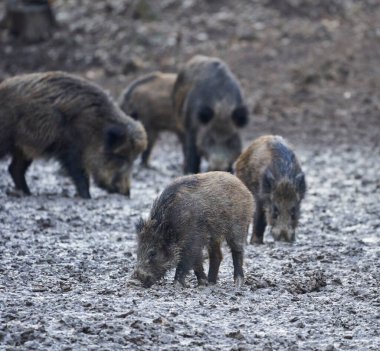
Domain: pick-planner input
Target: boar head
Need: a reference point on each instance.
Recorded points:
(282, 199)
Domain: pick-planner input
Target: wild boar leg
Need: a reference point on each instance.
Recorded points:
(199, 271)
(72, 162)
(216, 256)
(259, 225)
(237, 258)
(192, 158)
(181, 137)
(182, 270)
(18, 168)
(237, 251)
(182, 140)
(152, 137)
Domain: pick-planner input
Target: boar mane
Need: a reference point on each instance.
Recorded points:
(159, 222)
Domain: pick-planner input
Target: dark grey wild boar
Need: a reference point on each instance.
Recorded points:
(194, 212)
(208, 99)
(149, 100)
(59, 115)
(271, 171)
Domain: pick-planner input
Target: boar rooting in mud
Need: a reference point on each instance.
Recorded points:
(59, 115)
(192, 213)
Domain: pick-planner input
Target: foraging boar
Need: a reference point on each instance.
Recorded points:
(194, 212)
(59, 115)
(271, 171)
(149, 100)
(208, 99)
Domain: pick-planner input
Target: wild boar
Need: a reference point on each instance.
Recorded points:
(208, 100)
(192, 213)
(272, 172)
(149, 100)
(59, 115)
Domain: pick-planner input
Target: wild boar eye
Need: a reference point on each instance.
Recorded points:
(152, 254)
(275, 212)
(113, 156)
(293, 213)
(118, 158)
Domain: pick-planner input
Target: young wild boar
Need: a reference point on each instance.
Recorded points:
(194, 212)
(149, 100)
(208, 99)
(270, 169)
(58, 115)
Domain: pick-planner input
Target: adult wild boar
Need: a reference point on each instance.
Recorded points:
(194, 212)
(149, 100)
(208, 99)
(59, 115)
(272, 172)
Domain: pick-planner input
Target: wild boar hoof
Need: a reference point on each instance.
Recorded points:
(202, 282)
(148, 166)
(239, 282)
(17, 193)
(180, 284)
(256, 240)
(84, 196)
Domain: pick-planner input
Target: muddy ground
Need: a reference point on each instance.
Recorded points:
(310, 72)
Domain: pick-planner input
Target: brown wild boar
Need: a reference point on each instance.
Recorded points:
(149, 100)
(194, 212)
(208, 100)
(271, 171)
(59, 115)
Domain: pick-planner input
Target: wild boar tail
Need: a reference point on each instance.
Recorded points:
(126, 94)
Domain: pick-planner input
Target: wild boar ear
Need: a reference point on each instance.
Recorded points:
(268, 181)
(139, 225)
(134, 115)
(115, 136)
(205, 114)
(301, 183)
(240, 116)
(151, 254)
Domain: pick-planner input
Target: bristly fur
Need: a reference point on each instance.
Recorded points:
(285, 159)
(284, 171)
(267, 182)
(285, 189)
(164, 202)
(301, 184)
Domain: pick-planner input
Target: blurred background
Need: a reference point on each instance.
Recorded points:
(309, 68)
